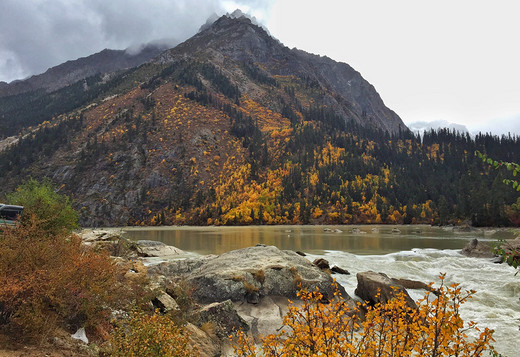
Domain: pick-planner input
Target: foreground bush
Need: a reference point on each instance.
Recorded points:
(51, 280)
(393, 329)
(54, 212)
(145, 335)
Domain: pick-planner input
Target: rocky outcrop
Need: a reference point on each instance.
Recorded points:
(206, 345)
(379, 288)
(266, 317)
(337, 270)
(414, 284)
(165, 303)
(478, 249)
(248, 274)
(150, 248)
(224, 316)
(321, 263)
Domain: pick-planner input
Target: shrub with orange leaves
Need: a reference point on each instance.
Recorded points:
(51, 280)
(434, 328)
(146, 335)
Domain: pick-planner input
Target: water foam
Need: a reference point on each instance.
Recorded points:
(495, 304)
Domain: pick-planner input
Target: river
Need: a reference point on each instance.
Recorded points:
(411, 252)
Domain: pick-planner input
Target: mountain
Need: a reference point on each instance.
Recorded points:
(232, 127)
(238, 40)
(104, 62)
(422, 126)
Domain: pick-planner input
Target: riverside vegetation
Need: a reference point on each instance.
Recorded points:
(50, 281)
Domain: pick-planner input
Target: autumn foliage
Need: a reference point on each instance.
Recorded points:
(144, 335)
(50, 280)
(392, 329)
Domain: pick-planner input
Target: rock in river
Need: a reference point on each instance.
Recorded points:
(379, 288)
(249, 274)
(478, 249)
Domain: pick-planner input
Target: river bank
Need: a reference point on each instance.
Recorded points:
(414, 252)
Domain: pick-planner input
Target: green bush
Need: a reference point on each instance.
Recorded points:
(53, 211)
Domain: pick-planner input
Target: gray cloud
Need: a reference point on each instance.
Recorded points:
(38, 34)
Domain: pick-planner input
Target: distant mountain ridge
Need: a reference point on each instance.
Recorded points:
(106, 61)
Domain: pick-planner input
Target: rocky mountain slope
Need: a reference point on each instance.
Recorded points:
(232, 127)
(237, 40)
(104, 62)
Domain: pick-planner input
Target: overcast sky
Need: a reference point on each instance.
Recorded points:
(456, 60)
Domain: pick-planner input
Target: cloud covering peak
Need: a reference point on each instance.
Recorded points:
(38, 34)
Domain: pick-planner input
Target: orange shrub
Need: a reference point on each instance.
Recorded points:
(146, 335)
(393, 329)
(48, 281)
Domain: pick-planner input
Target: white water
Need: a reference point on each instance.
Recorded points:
(495, 305)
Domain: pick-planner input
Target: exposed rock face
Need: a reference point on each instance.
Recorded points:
(478, 249)
(150, 248)
(243, 42)
(266, 317)
(206, 346)
(248, 275)
(371, 283)
(224, 316)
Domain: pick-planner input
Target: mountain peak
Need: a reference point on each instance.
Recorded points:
(236, 15)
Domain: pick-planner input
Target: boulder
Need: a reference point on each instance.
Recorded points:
(414, 284)
(205, 345)
(136, 271)
(336, 269)
(379, 288)
(478, 249)
(224, 316)
(248, 274)
(165, 303)
(150, 248)
(266, 317)
(321, 263)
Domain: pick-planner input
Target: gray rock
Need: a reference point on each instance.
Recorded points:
(224, 316)
(150, 248)
(336, 269)
(414, 284)
(379, 288)
(249, 274)
(321, 263)
(165, 303)
(266, 317)
(179, 267)
(478, 249)
(205, 344)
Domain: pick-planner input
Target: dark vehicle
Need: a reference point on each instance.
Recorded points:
(9, 214)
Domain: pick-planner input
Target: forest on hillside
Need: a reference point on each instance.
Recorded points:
(293, 162)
